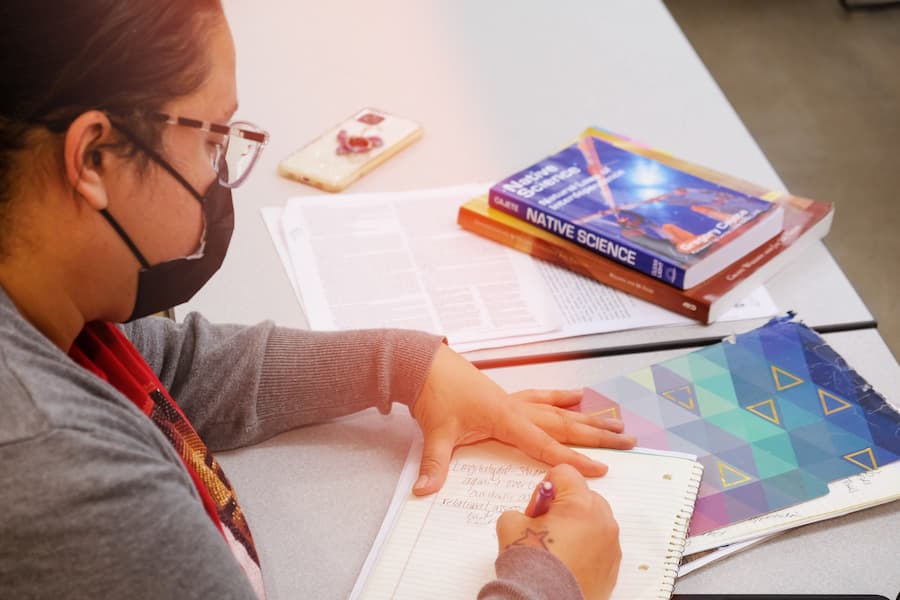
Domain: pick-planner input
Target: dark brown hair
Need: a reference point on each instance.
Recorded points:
(59, 58)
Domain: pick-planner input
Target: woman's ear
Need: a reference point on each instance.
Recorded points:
(83, 154)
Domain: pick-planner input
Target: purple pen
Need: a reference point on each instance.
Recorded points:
(545, 496)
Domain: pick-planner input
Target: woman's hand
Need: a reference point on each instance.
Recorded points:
(579, 529)
(460, 405)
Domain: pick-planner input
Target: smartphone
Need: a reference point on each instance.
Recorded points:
(348, 151)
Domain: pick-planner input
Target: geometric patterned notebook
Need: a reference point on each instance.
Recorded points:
(773, 415)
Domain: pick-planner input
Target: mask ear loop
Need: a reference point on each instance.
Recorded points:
(158, 160)
(134, 140)
(125, 238)
(97, 159)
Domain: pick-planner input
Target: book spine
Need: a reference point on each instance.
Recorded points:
(584, 262)
(627, 254)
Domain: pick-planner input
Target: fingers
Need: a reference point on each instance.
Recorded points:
(538, 444)
(572, 488)
(566, 480)
(529, 510)
(582, 430)
(553, 397)
(607, 423)
(509, 527)
(554, 453)
(436, 451)
(542, 399)
(585, 435)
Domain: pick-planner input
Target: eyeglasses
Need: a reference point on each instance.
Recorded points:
(235, 153)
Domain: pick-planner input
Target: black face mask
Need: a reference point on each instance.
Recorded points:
(174, 282)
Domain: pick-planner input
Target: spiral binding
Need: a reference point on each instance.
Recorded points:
(675, 548)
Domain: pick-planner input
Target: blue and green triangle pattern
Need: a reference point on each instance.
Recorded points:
(774, 415)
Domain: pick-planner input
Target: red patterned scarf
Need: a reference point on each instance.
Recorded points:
(104, 351)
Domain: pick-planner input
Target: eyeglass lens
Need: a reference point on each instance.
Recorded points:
(239, 156)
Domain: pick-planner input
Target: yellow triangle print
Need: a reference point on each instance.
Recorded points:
(868, 452)
(689, 404)
(771, 416)
(730, 476)
(611, 412)
(777, 374)
(824, 397)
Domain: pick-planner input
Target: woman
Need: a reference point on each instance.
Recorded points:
(115, 203)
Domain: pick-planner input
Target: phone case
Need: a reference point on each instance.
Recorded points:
(345, 153)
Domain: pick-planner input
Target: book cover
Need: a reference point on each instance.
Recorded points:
(805, 221)
(668, 223)
(774, 415)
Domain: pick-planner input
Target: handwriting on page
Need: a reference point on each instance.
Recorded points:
(444, 545)
(485, 491)
(858, 483)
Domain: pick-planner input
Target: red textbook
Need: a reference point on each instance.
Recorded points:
(805, 221)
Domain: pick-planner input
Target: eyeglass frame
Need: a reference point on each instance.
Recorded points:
(260, 136)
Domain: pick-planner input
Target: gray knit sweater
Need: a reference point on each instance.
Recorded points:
(94, 500)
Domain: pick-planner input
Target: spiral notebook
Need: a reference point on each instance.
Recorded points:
(444, 545)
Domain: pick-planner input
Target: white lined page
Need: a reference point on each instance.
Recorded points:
(444, 546)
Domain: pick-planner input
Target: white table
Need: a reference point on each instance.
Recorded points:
(315, 497)
(497, 85)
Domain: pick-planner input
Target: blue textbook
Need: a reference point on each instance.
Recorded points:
(664, 222)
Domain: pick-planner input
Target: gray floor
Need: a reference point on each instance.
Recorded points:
(819, 90)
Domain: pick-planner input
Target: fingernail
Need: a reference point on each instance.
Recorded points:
(421, 482)
(616, 422)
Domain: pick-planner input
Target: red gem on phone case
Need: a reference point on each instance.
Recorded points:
(370, 119)
(356, 144)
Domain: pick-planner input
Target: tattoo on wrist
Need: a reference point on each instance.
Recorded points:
(537, 539)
